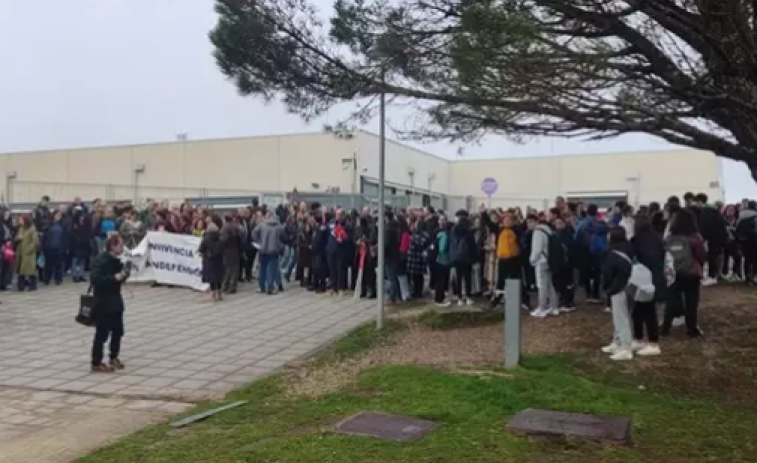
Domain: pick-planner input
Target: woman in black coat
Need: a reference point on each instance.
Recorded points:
(212, 250)
(650, 251)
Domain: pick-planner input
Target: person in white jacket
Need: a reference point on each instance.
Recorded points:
(540, 260)
(627, 222)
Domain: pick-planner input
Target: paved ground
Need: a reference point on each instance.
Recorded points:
(177, 349)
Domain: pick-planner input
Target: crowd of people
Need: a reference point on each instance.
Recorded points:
(454, 258)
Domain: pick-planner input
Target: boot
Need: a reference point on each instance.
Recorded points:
(32, 283)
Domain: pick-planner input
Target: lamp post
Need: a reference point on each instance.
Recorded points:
(381, 209)
(9, 178)
(138, 170)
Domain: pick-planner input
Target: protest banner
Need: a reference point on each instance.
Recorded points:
(167, 258)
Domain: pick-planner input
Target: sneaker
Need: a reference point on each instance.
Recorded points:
(622, 354)
(443, 304)
(103, 368)
(526, 307)
(468, 301)
(553, 312)
(608, 309)
(678, 321)
(610, 348)
(567, 309)
(709, 282)
(117, 365)
(649, 351)
(539, 313)
(637, 346)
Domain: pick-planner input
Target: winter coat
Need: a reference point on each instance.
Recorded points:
(81, 239)
(462, 249)
(55, 239)
(490, 256)
(212, 250)
(416, 262)
(616, 270)
(304, 245)
(231, 244)
(712, 226)
(566, 237)
(540, 245)
(442, 247)
(105, 288)
(27, 243)
(392, 243)
(270, 236)
(650, 252)
(132, 233)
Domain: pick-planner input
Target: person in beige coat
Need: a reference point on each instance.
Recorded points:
(27, 244)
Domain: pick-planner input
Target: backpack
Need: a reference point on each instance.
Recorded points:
(679, 248)
(640, 285)
(458, 249)
(745, 230)
(557, 254)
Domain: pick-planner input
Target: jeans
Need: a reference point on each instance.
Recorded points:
(77, 267)
(288, 261)
(463, 273)
(53, 265)
(683, 299)
(621, 322)
(108, 325)
(547, 293)
(392, 274)
(268, 273)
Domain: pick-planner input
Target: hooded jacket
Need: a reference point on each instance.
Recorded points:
(650, 251)
(616, 270)
(462, 249)
(270, 236)
(540, 245)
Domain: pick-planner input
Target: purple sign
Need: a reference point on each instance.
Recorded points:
(489, 186)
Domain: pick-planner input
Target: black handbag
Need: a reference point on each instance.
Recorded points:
(87, 305)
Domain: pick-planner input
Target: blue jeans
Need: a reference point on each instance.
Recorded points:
(288, 261)
(392, 274)
(77, 267)
(273, 278)
(269, 275)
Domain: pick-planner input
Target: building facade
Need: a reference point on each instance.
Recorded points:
(321, 162)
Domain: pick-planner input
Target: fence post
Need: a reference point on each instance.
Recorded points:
(513, 292)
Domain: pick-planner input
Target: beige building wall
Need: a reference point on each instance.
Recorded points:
(317, 161)
(643, 177)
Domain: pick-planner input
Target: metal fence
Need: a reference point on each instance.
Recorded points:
(24, 193)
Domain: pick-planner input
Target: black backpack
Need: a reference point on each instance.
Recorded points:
(557, 253)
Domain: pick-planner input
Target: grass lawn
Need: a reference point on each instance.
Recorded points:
(471, 410)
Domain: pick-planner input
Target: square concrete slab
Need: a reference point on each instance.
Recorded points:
(533, 422)
(384, 426)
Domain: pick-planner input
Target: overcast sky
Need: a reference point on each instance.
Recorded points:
(77, 73)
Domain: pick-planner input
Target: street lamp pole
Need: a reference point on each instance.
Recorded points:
(381, 209)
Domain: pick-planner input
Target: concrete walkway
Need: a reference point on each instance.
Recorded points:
(177, 349)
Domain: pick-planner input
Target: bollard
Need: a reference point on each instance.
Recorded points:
(513, 303)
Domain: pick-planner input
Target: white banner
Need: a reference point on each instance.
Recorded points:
(167, 258)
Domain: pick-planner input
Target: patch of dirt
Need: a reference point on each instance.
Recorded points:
(723, 363)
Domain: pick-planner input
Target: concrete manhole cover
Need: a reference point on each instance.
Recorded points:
(385, 426)
(548, 423)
